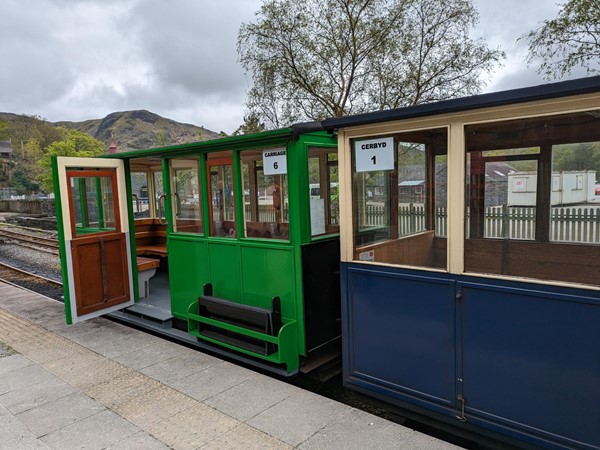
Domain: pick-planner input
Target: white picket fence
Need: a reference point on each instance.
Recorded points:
(568, 224)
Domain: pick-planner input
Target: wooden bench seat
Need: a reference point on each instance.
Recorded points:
(150, 238)
(152, 250)
(146, 263)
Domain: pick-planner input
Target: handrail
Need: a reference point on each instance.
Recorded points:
(161, 209)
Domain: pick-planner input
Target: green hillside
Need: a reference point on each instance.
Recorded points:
(139, 129)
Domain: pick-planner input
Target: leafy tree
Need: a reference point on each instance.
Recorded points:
(313, 59)
(161, 138)
(76, 144)
(3, 130)
(25, 128)
(252, 124)
(584, 156)
(23, 182)
(571, 40)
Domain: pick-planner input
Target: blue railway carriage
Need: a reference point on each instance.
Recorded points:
(457, 301)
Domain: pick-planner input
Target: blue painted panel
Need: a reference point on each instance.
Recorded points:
(532, 359)
(400, 332)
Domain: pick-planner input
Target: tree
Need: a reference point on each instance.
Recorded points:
(76, 144)
(252, 124)
(584, 156)
(313, 59)
(569, 41)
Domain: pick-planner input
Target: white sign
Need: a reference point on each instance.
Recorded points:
(274, 161)
(519, 184)
(366, 256)
(374, 154)
(317, 216)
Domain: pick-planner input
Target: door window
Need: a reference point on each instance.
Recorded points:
(139, 199)
(323, 191)
(222, 194)
(187, 196)
(93, 204)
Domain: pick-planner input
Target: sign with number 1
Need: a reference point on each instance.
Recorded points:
(274, 161)
(374, 154)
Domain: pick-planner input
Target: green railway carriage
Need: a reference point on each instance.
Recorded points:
(219, 243)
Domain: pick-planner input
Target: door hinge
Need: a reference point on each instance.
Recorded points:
(462, 417)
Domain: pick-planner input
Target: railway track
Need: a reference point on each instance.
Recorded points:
(27, 240)
(32, 281)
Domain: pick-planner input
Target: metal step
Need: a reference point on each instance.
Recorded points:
(161, 316)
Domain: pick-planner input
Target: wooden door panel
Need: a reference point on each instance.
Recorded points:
(100, 272)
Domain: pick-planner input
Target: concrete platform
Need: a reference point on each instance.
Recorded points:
(102, 385)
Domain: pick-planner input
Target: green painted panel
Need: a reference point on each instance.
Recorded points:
(188, 272)
(267, 272)
(225, 270)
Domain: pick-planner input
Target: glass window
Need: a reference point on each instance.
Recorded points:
(222, 194)
(501, 192)
(186, 202)
(93, 202)
(531, 206)
(399, 198)
(575, 198)
(159, 196)
(323, 191)
(139, 196)
(266, 198)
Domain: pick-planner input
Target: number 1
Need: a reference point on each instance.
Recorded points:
(374, 159)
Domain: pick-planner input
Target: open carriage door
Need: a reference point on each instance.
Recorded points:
(93, 223)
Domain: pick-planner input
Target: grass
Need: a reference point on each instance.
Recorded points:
(5, 350)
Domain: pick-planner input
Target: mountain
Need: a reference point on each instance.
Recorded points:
(133, 130)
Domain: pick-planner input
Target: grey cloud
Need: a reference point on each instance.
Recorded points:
(192, 46)
(82, 59)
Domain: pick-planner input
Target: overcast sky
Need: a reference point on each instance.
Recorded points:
(78, 59)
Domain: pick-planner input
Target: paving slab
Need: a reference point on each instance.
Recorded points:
(21, 377)
(14, 435)
(111, 348)
(83, 375)
(29, 397)
(94, 432)
(156, 352)
(251, 397)
(212, 381)
(59, 413)
(139, 441)
(298, 417)
(118, 391)
(193, 427)
(244, 437)
(179, 366)
(13, 362)
(154, 406)
(418, 441)
(80, 328)
(102, 336)
(358, 430)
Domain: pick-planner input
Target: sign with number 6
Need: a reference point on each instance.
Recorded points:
(274, 161)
